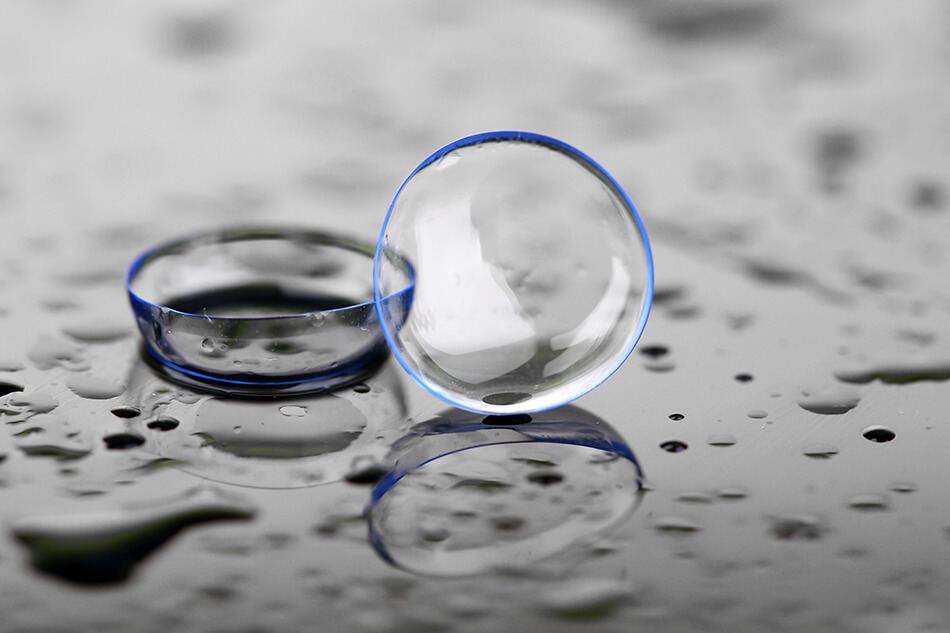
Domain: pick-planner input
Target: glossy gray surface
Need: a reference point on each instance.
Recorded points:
(789, 159)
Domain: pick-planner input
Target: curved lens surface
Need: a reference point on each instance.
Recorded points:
(533, 273)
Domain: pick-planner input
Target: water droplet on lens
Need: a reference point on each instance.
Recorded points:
(126, 412)
(744, 377)
(674, 446)
(207, 345)
(879, 434)
(676, 416)
(293, 411)
(163, 424)
(9, 387)
(121, 441)
(904, 487)
(361, 388)
(757, 414)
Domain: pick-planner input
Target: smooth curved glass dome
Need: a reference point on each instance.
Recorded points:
(533, 273)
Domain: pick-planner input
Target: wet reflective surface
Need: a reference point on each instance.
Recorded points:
(786, 403)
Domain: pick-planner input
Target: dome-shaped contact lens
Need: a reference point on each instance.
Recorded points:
(533, 273)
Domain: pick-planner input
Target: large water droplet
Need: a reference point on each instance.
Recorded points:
(94, 388)
(879, 434)
(105, 547)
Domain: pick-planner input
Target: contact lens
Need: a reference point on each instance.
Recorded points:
(532, 269)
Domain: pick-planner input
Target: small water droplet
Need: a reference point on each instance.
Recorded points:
(586, 599)
(365, 471)
(879, 434)
(744, 377)
(545, 477)
(677, 525)
(869, 503)
(732, 493)
(674, 446)
(507, 523)
(164, 423)
(820, 451)
(695, 497)
(676, 417)
(757, 414)
(293, 411)
(904, 487)
(721, 439)
(121, 441)
(126, 412)
(655, 351)
(361, 388)
(797, 527)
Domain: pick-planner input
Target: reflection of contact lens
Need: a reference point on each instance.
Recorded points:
(466, 497)
(259, 311)
(533, 270)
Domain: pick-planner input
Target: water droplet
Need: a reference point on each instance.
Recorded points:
(545, 477)
(100, 330)
(293, 411)
(121, 441)
(126, 412)
(676, 525)
(361, 388)
(365, 471)
(676, 417)
(797, 527)
(47, 353)
(105, 547)
(899, 373)
(695, 497)
(94, 388)
(831, 400)
(904, 487)
(757, 414)
(507, 523)
(721, 439)
(869, 503)
(744, 377)
(879, 434)
(8, 388)
(674, 446)
(820, 451)
(654, 351)
(11, 365)
(586, 599)
(732, 493)
(506, 420)
(164, 423)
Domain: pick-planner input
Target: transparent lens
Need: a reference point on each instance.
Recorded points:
(533, 273)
